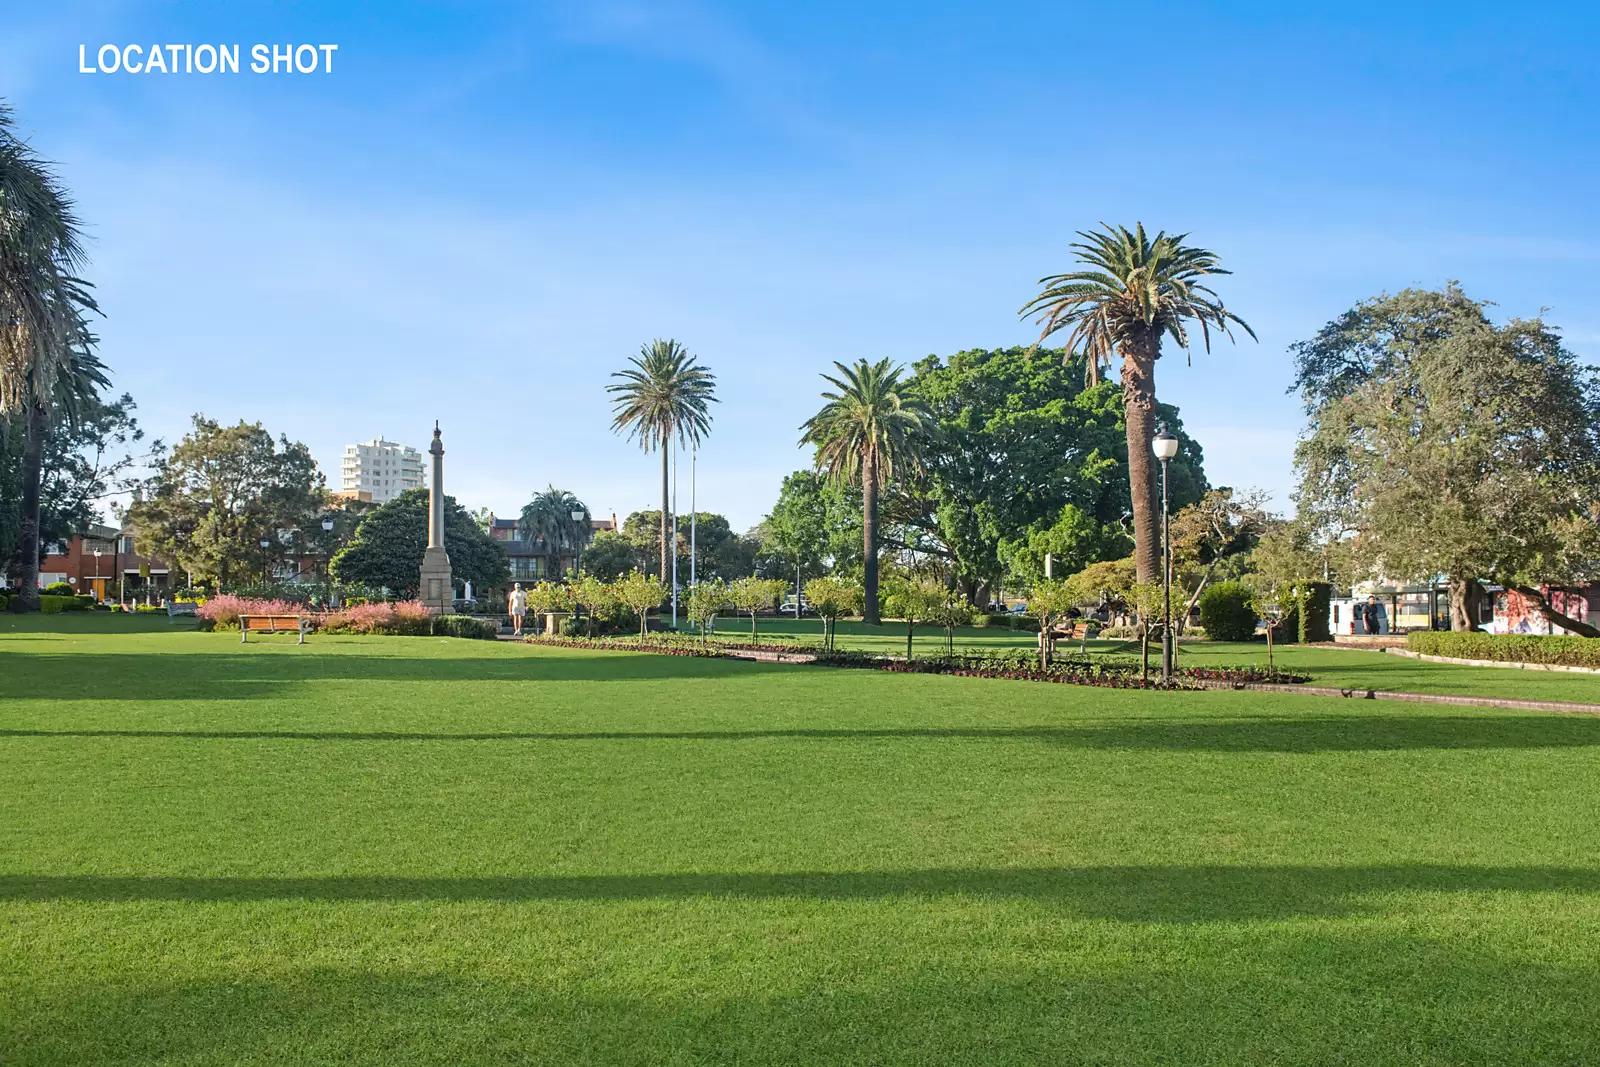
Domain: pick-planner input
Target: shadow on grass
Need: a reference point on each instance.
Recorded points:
(1299, 997)
(1354, 733)
(246, 675)
(1121, 893)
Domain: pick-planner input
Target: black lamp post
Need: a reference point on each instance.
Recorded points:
(265, 544)
(1165, 447)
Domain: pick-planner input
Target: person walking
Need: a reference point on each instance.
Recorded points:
(518, 603)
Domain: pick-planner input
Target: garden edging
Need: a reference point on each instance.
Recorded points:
(1571, 707)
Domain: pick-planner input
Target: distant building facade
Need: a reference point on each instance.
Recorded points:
(385, 469)
(103, 564)
(529, 557)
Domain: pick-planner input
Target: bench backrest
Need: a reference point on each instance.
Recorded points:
(269, 622)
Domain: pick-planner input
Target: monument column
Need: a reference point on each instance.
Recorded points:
(436, 589)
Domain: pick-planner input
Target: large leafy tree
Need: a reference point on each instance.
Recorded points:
(1027, 460)
(611, 555)
(868, 430)
(815, 526)
(86, 457)
(220, 491)
(47, 362)
(1134, 291)
(720, 552)
(549, 517)
(664, 395)
(388, 545)
(1443, 443)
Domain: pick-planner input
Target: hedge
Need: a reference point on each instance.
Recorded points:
(1312, 601)
(1565, 651)
(465, 626)
(1226, 614)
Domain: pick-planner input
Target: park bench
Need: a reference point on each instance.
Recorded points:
(1076, 631)
(272, 624)
(179, 607)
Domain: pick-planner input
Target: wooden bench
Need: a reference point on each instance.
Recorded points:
(272, 624)
(1076, 631)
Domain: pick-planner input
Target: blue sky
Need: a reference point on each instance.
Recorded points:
(485, 209)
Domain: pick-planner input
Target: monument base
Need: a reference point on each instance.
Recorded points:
(436, 589)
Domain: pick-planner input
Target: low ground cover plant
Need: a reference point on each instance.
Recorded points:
(1560, 650)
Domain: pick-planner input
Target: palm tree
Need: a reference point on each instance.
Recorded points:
(47, 358)
(549, 516)
(664, 395)
(867, 428)
(1136, 289)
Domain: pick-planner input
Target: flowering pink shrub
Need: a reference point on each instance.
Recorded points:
(223, 611)
(406, 618)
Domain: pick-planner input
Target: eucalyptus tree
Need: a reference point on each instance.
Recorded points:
(664, 394)
(1134, 291)
(1442, 443)
(867, 431)
(549, 516)
(47, 361)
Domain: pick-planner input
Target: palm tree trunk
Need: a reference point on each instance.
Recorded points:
(1139, 415)
(27, 598)
(664, 572)
(869, 538)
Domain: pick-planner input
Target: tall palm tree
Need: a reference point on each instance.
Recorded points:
(46, 349)
(549, 516)
(665, 394)
(867, 429)
(1135, 290)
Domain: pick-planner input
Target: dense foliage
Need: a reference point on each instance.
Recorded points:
(387, 548)
(1227, 612)
(1507, 648)
(1443, 443)
(222, 490)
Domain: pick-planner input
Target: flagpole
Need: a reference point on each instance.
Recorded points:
(674, 538)
(694, 514)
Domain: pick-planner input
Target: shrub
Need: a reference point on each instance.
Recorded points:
(1025, 623)
(59, 589)
(1225, 612)
(1313, 607)
(405, 618)
(5, 602)
(222, 612)
(51, 604)
(80, 602)
(465, 626)
(1566, 651)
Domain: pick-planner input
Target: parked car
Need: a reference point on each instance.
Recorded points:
(788, 606)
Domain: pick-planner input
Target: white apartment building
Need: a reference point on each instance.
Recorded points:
(383, 468)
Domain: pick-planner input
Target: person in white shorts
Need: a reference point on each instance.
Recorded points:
(518, 602)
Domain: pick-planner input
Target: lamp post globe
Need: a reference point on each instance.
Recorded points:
(1165, 446)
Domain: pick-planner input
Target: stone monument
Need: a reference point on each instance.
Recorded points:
(436, 589)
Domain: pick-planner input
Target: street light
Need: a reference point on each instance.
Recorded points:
(577, 517)
(1165, 447)
(99, 596)
(265, 544)
(327, 564)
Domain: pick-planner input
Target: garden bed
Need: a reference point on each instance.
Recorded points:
(1012, 666)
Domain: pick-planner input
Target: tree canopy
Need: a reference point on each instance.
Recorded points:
(388, 545)
(1027, 460)
(221, 490)
(1442, 443)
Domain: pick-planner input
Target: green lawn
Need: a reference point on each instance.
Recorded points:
(1349, 668)
(434, 851)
